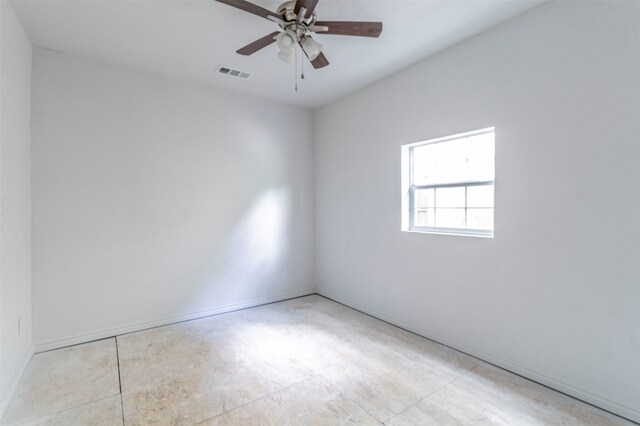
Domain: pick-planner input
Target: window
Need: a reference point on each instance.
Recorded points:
(448, 183)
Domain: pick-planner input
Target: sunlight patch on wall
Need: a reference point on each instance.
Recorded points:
(253, 254)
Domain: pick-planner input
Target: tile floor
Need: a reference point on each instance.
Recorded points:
(307, 361)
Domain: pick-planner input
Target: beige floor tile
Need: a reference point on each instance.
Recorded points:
(222, 344)
(104, 412)
(180, 402)
(151, 358)
(376, 388)
(189, 400)
(63, 379)
(489, 395)
(186, 373)
(312, 402)
(386, 372)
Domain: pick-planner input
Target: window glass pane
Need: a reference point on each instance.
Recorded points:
(480, 219)
(450, 218)
(424, 164)
(466, 159)
(424, 198)
(439, 162)
(480, 157)
(450, 197)
(424, 218)
(451, 163)
(480, 196)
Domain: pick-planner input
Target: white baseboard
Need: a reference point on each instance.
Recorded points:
(143, 325)
(15, 381)
(596, 400)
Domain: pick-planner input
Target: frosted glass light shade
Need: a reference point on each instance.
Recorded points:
(286, 41)
(312, 48)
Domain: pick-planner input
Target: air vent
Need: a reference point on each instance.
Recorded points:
(234, 73)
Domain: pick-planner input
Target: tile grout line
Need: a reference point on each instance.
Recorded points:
(119, 379)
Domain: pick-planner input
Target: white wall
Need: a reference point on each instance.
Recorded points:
(15, 167)
(555, 295)
(156, 200)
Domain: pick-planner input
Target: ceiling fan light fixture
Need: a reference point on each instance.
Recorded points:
(296, 19)
(311, 47)
(286, 41)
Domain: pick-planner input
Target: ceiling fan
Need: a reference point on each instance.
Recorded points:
(297, 20)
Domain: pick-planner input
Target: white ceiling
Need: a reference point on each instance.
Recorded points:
(189, 39)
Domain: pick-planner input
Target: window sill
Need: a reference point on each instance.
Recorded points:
(454, 232)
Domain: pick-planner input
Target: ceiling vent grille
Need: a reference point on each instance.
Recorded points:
(234, 73)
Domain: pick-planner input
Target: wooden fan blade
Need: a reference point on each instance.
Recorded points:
(310, 6)
(352, 28)
(298, 6)
(250, 7)
(320, 62)
(261, 43)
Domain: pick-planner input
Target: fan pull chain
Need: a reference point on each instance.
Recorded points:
(296, 67)
(302, 67)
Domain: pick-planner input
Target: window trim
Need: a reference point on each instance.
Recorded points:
(409, 189)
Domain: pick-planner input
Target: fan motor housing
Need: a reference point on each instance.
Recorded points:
(286, 10)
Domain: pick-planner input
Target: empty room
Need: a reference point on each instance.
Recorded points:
(319, 212)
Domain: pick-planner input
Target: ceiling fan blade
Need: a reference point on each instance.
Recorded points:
(250, 7)
(298, 6)
(320, 62)
(309, 6)
(252, 48)
(352, 28)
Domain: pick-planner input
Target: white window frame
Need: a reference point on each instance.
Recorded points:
(408, 190)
